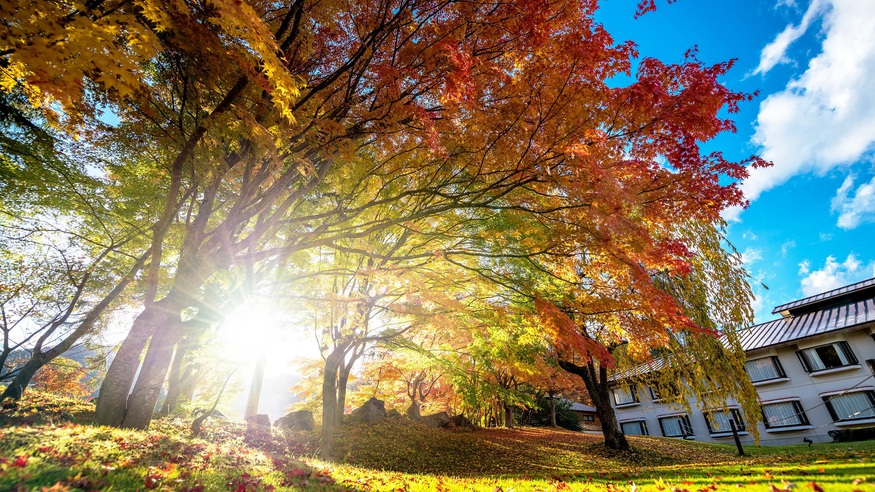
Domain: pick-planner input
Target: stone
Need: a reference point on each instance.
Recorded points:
(300, 420)
(371, 411)
(460, 421)
(259, 420)
(440, 419)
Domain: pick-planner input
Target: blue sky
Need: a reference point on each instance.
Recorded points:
(811, 223)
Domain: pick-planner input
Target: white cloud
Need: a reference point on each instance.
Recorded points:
(825, 237)
(776, 51)
(805, 267)
(825, 117)
(857, 209)
(787, 246)
(751, 255)
(833, 274)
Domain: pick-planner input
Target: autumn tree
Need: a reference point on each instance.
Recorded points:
(607, 331)
(317, 120)
(63, 377)
(261, 131)
(407, 371)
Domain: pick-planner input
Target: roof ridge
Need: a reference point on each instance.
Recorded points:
(824, 295)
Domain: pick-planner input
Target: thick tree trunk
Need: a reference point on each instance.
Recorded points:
(508, 415)
(255, 387)
(413, 410)
(329, 400)
(596, 382)
(113, 396)
(614, 439)
(144, 397)
(552, 410)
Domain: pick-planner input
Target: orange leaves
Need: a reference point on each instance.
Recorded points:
(567, 335)
(459, 82)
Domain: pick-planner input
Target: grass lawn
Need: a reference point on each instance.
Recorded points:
(47, 444)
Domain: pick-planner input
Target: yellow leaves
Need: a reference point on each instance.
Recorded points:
(241, 21)
(54, 46)
(159, 12)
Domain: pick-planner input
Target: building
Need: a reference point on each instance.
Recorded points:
(589, 420)
(814, 370)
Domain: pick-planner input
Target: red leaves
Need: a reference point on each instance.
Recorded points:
(458, 80)
(20, 461)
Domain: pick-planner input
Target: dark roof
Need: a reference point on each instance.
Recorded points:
(779, 331)
(823, 296)
(580, 407)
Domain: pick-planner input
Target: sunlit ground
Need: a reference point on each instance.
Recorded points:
(39, 447)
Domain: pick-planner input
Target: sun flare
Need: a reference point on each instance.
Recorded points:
(260, 329)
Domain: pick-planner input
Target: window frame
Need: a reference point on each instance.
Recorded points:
(642, 425)
(734, 413)
(832, 413)
(776, 364)
(841, 347)
(633, 393)
(684, 425)
(797, 409)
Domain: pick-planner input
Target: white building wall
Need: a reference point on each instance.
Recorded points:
(809, 388)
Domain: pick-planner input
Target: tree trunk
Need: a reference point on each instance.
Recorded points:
(552, 410)
(189, 383)
(181, 370)
(175, 385)
(176, 377)
(508, 415)
(342, 380)
(413, 410)
(614, 439)
(596, 382)
(255, 387)
(113, 395)
(144, 397)
(16, 387)
(329, 400)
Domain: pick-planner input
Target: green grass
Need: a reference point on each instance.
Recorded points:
(46, 444)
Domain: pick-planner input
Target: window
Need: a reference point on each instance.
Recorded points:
(663, 391)
(783, 414)
(626, 395)
(587, 418)
(676, 426)
(718, 421)
(764, 369)
(851, 406)
(829, 356)
(634, 428)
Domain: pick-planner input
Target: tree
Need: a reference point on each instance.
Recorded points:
(268, 130)
(607, 330)
(62, 376)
